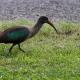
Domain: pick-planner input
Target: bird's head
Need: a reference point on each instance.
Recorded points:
(44, 19)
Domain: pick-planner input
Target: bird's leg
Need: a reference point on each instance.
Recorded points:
(20, 48)
(11, 47)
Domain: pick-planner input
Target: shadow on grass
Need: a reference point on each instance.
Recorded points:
(5, 53)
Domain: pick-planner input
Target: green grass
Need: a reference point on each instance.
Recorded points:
(48, 56)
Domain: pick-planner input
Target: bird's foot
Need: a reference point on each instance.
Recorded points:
(21, 50)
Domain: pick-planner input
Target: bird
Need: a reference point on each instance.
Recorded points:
(18, 34)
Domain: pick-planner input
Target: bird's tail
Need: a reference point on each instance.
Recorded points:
(1, 37)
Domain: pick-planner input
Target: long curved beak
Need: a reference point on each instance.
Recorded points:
(52, 26)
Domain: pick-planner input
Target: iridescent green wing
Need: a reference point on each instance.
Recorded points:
(17, 34)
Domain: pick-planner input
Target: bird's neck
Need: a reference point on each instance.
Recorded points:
(35, 29)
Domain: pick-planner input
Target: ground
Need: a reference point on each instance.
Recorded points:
(54, 9)
(48, 56)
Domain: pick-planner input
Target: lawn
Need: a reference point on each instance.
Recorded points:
(48, 56)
